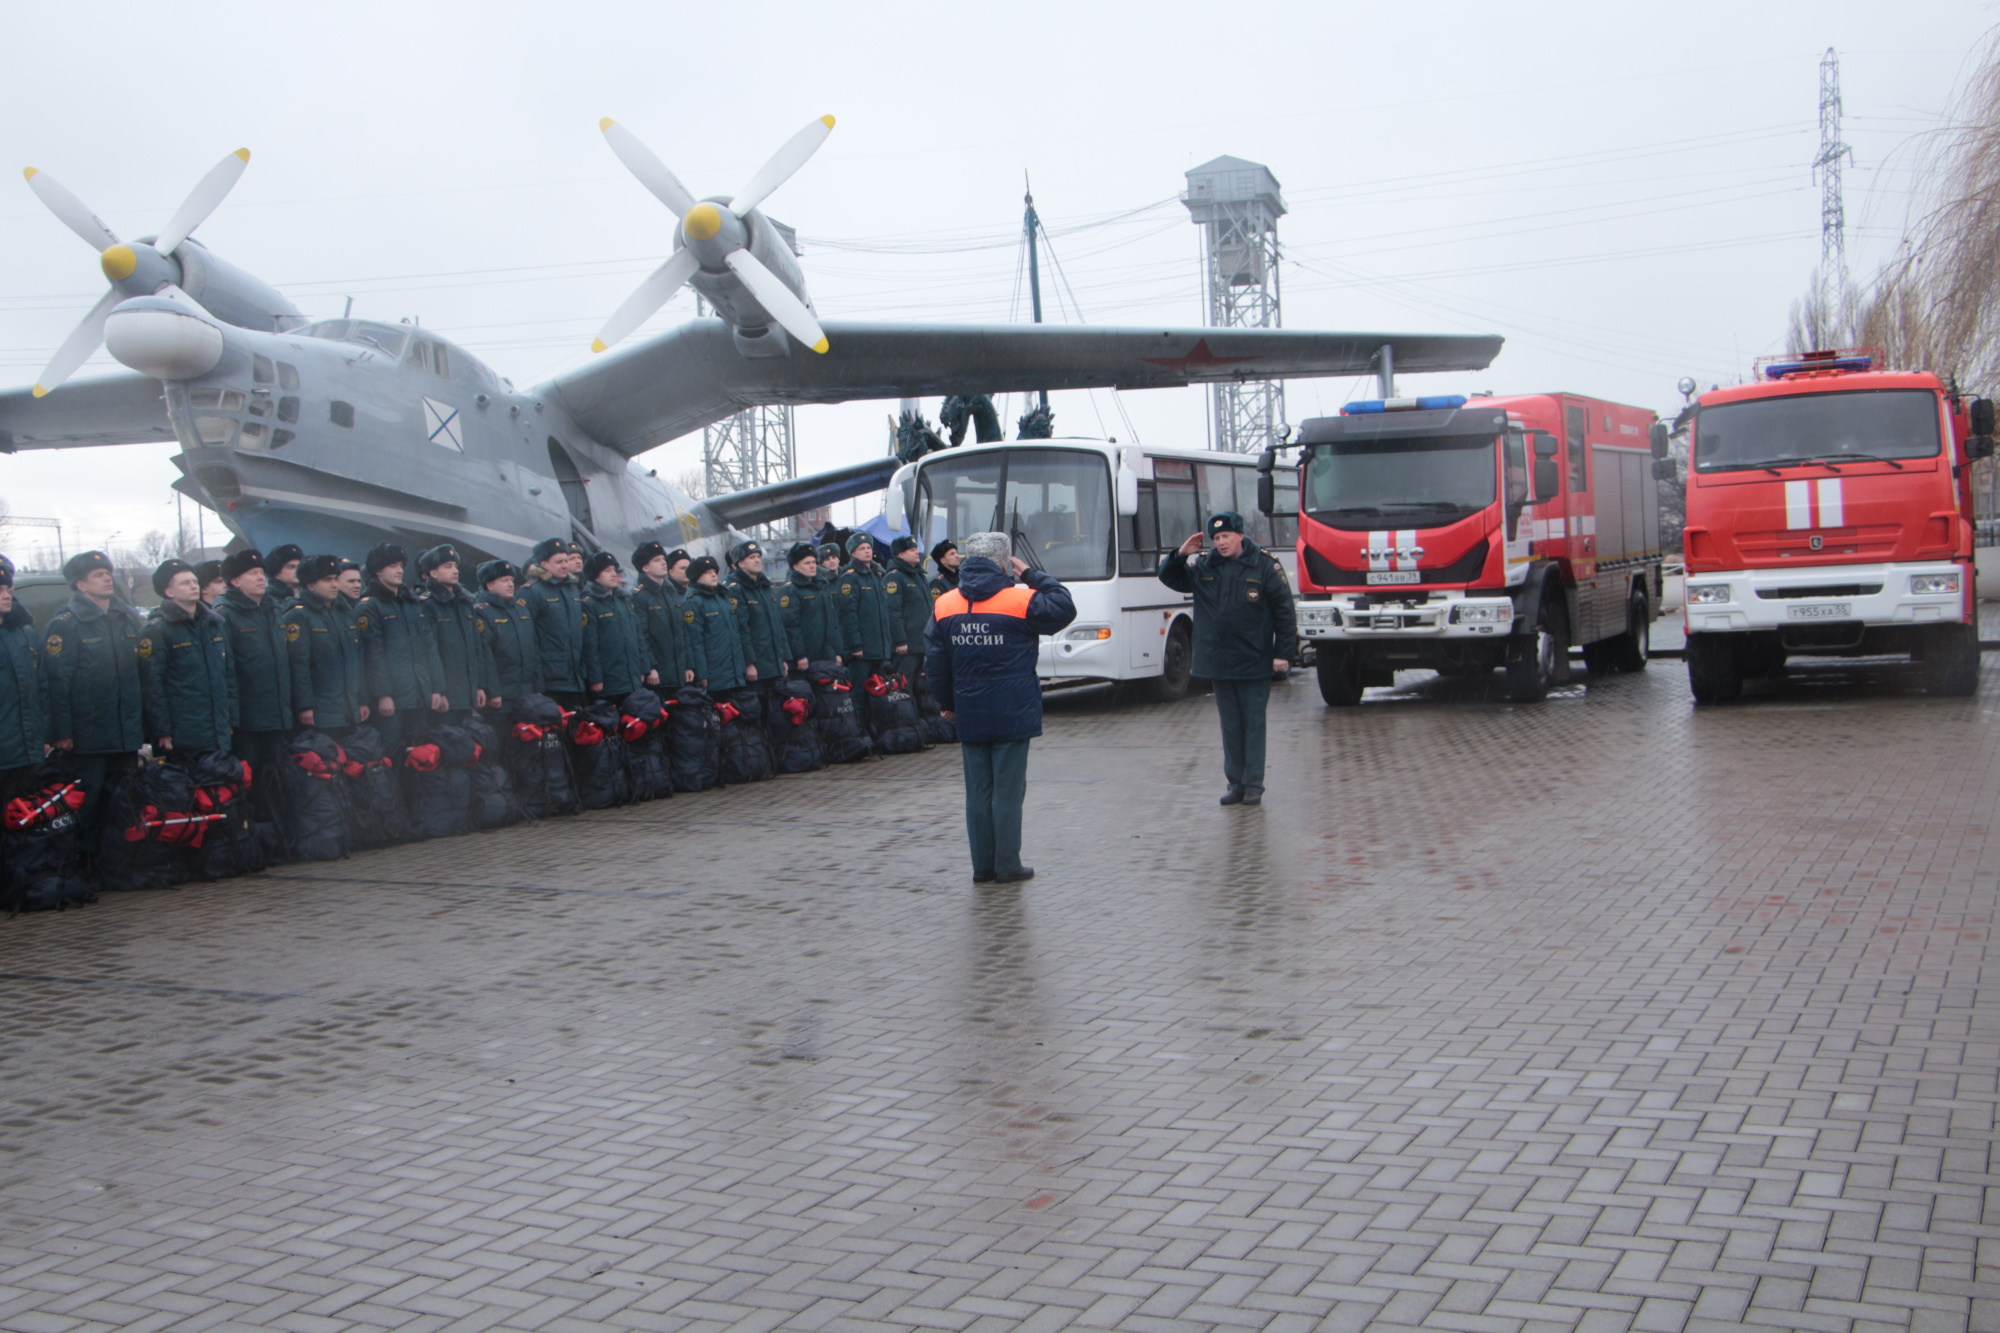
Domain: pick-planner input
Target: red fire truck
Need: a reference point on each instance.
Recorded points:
(1829, 513)
(1467, 534)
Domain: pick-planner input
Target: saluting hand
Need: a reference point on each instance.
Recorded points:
(1015, 566)
(1192, 545)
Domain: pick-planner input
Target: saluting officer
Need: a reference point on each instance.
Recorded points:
(263, 676)
(281, 567)
(510, 633)
(555, 602)
(945, 556)
(23, 723)
(616, 631)
(659, 603)
(397, 651)
(323, 649)
(186, 679)
(1245, 630)
(908, 598)
(812, 621)
(465, 667)
(865, 623)
(715, 648)
(91, 663)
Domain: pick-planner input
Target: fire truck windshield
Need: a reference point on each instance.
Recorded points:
(1855, 426)
(1423, 482)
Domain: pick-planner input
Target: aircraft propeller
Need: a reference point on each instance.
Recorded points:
(137, 269)
(712, 232)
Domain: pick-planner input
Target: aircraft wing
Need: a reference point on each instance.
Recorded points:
(109, 409)
(693, 376)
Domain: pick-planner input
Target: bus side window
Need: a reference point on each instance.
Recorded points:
(1140, 553)
(1179, 516)
(1578, 420)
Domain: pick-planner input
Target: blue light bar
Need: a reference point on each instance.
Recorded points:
(1786, 369)
(1433, 403)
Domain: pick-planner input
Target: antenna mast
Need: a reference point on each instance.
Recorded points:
(1031, 223)
(1832, 211)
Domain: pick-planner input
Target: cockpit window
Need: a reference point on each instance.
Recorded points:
(386, 337)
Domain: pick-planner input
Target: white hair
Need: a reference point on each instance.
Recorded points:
(994, 546)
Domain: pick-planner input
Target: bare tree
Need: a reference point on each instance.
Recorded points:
(694, 481)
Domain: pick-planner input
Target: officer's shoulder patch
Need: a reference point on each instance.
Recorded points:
(891, 588)
(688, 615)
(146, 645)
(361, 623)
(733, 604)
(291, 631)
(846, 589)
(784, 599)
(54, 645)
(478, 625)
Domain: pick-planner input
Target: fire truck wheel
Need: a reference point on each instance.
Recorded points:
(1177, 672)
(1951, 663)
(1715, 676)
(1339, 677)
(1634, 648)
(1538, 662)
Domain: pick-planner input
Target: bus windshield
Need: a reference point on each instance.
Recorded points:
(1852, 427)
(1407, 483)
(1055, 503)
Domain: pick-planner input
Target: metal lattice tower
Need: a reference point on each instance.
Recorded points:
(1237, 206)
(753, 448)
(1832, 211)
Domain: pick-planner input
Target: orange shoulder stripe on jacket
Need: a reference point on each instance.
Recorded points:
(1007, 602)
(949, 603)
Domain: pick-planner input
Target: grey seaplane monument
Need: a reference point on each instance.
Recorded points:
(338, 433)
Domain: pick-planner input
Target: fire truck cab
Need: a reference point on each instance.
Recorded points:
(1462, 535)
(1829, 513)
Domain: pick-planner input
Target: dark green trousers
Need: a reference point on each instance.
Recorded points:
(1242, 704)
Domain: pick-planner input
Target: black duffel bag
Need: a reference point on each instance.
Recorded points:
(149, 815)
(794, 736)
(377, 812)
(643, 720)
(437, 775)
(891, 712)
(537, 759)
(597, 755)
(746, 749)
(313, 778)
(938, 729)
(842, 737)
(494, 804)
(227, 843)
(40, 862)
(694, 740)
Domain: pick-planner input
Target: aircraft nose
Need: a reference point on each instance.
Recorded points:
(702, 222)
(119, 262)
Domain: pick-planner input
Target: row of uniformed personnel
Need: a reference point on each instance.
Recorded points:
(239, 653)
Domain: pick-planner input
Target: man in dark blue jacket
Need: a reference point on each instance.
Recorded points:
(323, 647)
(465, 665)
(981, 648)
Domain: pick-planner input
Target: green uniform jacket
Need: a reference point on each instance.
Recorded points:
(510, 638)
(464, 665)
(1243, 614)
(865, 624)
(909, 597)
(323, 645)
(946, 581)
(660, 615)
(186, 678)
(90, 660)
(760, 622)
(257, 655)
(397, 650)
(714, 644)
(617, 638)
(812, 621)
(23, 723)
(556, 608)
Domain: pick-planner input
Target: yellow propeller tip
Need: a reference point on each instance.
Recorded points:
(820, 346)
(40, 392)
(597, 345)
(243, 153)
(29, 173)
(826, 121)
(606, 123)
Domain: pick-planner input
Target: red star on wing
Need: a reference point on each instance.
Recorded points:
(1198, 359)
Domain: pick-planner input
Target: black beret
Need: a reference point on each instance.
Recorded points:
(902, 544)
(437, 555)
(316, 567)
(600, 562)
(801, 551)
(164, 575)
(702, 565)
(383, 555)
(83, 562)
(743, 551)
(236, 565)
(1225, 520)
(678, 554)
(496, 569)
(276, 560)
(938, 552)
(646, 553)
(209, 571)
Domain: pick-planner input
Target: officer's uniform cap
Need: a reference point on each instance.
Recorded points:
(84, 562)
(1225, 520)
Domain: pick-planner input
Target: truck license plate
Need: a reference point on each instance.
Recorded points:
(1392, 575)
(1820, 611)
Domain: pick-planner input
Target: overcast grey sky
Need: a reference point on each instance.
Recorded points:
(1627, 199)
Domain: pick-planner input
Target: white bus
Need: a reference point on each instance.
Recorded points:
(1098, 515)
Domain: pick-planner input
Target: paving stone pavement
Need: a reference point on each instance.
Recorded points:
(1601, 1014)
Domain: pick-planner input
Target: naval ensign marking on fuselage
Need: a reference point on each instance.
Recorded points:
(441, 424)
